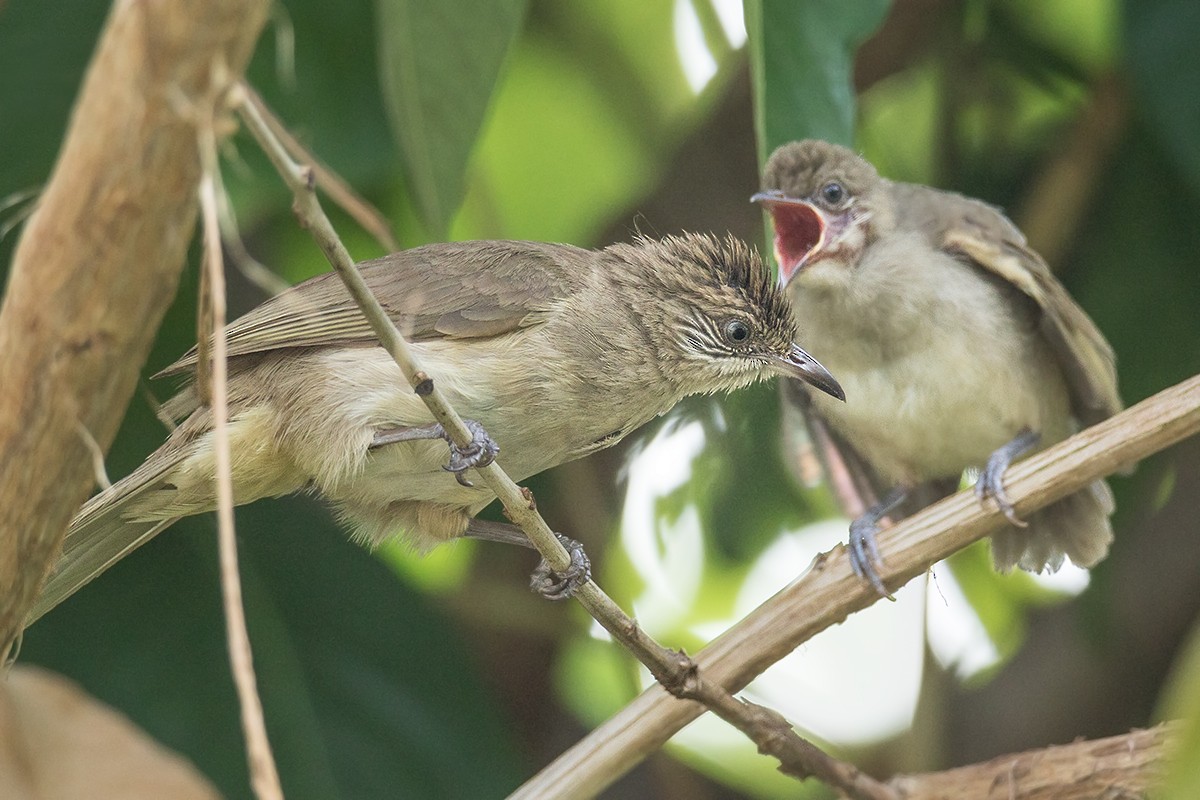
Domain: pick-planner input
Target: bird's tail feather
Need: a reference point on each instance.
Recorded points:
(1076, 527)
(103, 532)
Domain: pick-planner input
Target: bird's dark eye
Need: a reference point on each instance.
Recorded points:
(833, 193)
(736, 331)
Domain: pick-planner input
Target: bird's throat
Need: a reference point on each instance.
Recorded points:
(799, 232)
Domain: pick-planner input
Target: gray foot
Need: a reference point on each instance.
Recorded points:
(479, 453)
(561, 585)
(545, 581)
(991, 479)
(864, 552)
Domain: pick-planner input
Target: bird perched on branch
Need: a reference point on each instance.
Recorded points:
(554, 351)
(957, 347)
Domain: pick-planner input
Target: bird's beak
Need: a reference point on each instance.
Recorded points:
(803, 367)
(800, 231)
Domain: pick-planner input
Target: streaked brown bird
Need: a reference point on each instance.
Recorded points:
(956, 345)
(554, 351)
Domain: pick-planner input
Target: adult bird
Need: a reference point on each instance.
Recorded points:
(553, 352)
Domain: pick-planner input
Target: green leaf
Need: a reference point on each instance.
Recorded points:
(802, 59)
(1162, 38)
(1181, 701)
(44, 48)
(439, 63)
(367, 690)
(329, 98)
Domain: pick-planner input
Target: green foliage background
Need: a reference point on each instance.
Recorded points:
(390, 676)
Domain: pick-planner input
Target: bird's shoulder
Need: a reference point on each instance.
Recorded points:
(980, 235)
(938, 212)
(458, 290)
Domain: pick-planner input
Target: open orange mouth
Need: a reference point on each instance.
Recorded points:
(799, 231)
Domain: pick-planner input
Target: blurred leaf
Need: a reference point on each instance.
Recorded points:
(802, 59)
(1083, 31)
(1015, 42)
(1162, 38)
(367, 692)
(1001, 601)
(553, 129)
(44, 48)
(329, 98)
(998, 608)
(629, 49)
(440, 62)
(1181, 701)
(1134, 269)
(593, 100)
(604, 669)
(47, 45)
(906, 102)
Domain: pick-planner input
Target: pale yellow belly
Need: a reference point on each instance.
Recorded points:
(935, 411)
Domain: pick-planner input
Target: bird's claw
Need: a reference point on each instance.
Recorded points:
(991, 479)
(479, 453)
(991, 484)
(864, 553)
(554, 585)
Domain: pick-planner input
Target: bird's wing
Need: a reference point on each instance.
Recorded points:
(989, 240)
(455, 290)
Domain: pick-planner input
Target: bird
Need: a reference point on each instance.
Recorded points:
(550, 351)
(957, 347)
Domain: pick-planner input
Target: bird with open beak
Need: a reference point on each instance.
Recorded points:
(956, 346)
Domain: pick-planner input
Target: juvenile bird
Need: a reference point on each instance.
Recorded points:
(554, 351)
(957, 346)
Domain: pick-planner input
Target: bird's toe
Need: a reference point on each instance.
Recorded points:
(479, 453)
(554, 585)
(864, 553)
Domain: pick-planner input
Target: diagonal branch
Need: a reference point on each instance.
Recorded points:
(362, 212)
(828, 592)
(674, 670)
(1125, 766)
(264, 776)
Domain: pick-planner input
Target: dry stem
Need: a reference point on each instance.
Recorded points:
(1126, 766)
(828, 592)
(264, 777)
(676, 671)
(362, 212)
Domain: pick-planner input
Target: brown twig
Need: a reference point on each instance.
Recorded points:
(98, 468)
(828, 592)
(251, 268)
(797, 756)
(264, 777)
(362, 212)
(97, 266)
(21, 204)
(673, 670)
(1126, 766)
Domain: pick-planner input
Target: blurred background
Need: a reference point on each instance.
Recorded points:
(587, 122)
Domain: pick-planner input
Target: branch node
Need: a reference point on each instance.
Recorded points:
(628, 628)
(530, 500)
(423, 384)
(680, 676)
